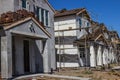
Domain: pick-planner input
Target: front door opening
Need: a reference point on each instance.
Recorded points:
(13, 56)
(26, 56)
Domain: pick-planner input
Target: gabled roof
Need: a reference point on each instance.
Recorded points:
(11, 19)
(92, 37)
(25, 20)
(96, 35)
(64, 12)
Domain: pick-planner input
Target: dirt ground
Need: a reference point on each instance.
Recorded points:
(94, 74)
(82, 72)
(87, 73)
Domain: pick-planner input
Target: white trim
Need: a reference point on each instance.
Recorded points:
(27, 5)
(32, 35)
(44, 17)
(40, 17)
(48, 19)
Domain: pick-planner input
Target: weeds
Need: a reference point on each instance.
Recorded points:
(87, 72)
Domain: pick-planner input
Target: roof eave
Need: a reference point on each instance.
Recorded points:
(84, 10)
(50, 6)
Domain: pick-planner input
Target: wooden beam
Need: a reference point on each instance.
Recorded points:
(98, 37)
(71, 29)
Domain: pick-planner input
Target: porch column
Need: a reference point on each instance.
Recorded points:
(105, 56)
(46, 58)
(99, 56)
(6, 57)
(113, 57)
(110, 55)
(92, 56)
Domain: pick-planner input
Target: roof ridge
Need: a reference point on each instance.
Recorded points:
(60, 13)
(71, 9)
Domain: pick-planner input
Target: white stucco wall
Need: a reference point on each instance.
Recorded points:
(69, 49)
(65, 23)
(66, 64)
(6, 5)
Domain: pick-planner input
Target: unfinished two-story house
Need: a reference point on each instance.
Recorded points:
(27, 37)
(69, 26)
(82, 42)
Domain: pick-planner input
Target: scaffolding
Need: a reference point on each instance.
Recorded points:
(63, 38)
(85, 44)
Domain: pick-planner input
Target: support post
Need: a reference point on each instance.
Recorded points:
(46, 58)
(6, 57)
(99, 56)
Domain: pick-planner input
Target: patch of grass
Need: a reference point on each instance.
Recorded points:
(87, 72)
(80, 76)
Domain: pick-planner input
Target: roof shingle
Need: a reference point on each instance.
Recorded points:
(68, 12)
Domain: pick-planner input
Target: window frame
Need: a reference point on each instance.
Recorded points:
(88, 24)
(24, 4)
(47, 17)
(43, 17)
(80, 22)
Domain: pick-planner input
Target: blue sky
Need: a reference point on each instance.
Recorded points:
(103, 11)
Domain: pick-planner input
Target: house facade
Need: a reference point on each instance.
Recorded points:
(68, 28)
(27, 43)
